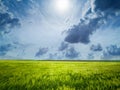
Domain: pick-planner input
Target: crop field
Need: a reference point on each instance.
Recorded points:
(59, 75)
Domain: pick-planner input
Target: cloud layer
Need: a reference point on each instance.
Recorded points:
(35, 30)
(99, 14)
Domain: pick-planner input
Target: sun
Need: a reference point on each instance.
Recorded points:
(62, 6)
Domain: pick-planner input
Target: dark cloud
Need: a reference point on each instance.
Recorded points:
(94, 19)
(53, 56)
(17, 8)
(63, 46)
(4, 49)
(111, 52)
(116, 22)
(7, 23)
(41, 52)
(5, 19)
(109, 8)
(71, 53)
(81, 33)
(107, 4)
(90, 56)
(97, 47)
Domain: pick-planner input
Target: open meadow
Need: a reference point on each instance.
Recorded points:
(59, 75)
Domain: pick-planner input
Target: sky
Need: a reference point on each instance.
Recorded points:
(60, 29)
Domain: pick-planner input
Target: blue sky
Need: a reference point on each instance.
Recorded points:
(60, 29)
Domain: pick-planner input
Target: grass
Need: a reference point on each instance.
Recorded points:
(59, 75)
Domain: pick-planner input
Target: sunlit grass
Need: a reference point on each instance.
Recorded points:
(56, 75)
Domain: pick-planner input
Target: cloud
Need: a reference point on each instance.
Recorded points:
(7, 19)
(71, 53)
(4, 49)
(97, 47)
(90, 56)
(6, 22)
(94, 26)
(41, 52)
(116, 22)
(106, 5)
(63, 46)
(99, 13)
(111, 52)
(53, 56)
(81, 33)
(17, 7)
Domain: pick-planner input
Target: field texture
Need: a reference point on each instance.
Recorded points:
(53, 75)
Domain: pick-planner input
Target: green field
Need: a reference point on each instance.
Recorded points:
(59, 75)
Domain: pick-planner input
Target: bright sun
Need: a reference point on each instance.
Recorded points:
(62, 6)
